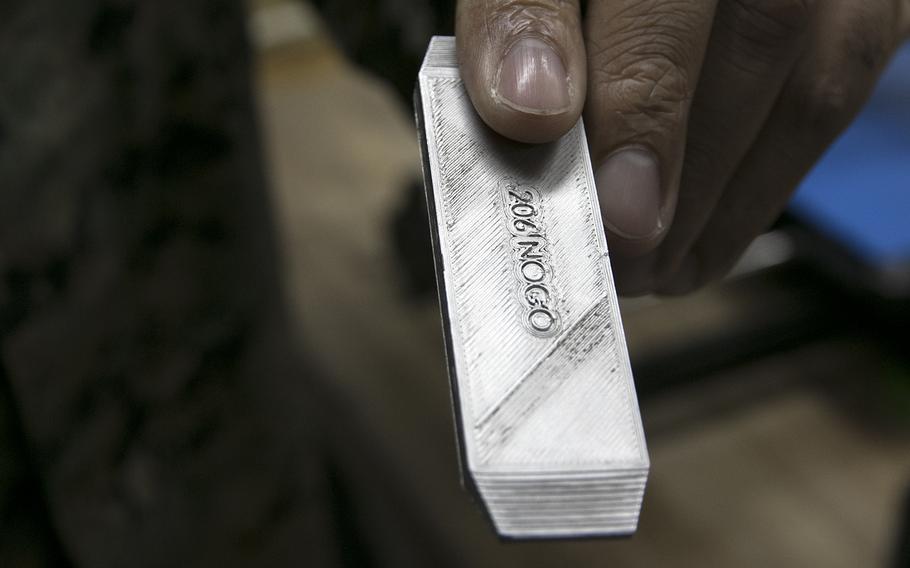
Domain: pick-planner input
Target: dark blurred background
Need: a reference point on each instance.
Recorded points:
(220, 343)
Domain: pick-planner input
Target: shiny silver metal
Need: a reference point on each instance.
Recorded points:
(549, 429)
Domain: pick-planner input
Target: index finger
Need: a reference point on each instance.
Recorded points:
(645, 58)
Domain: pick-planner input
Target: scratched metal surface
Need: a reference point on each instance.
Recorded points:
(545, 403)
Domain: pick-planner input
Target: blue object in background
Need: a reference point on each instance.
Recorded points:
(859, 193)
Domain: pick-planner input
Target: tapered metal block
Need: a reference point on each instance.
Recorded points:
(545, 407)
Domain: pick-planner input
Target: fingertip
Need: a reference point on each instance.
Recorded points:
(529, 97)
(529, 128)
(532, 79)
(629, 184)
(526, 79)
(631, 201)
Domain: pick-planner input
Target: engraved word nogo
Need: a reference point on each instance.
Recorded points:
(524, 220)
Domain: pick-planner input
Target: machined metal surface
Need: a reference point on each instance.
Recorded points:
(549, 428)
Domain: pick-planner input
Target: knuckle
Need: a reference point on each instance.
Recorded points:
(825, 106)
(664, 32)
(821, 109)
(548, 18)
(766, 21)
(843, 75)
(645, 92)
(869, 39)
(761, 32)
(639, 74)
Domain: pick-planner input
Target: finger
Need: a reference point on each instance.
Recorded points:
(523, 64)
(753, 47)
(852, 41)
(644, 58)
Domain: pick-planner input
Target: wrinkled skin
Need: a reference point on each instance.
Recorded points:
(715, 109)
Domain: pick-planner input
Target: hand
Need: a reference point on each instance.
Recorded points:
(702, 115)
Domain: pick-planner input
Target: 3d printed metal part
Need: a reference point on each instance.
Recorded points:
(549, 429)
